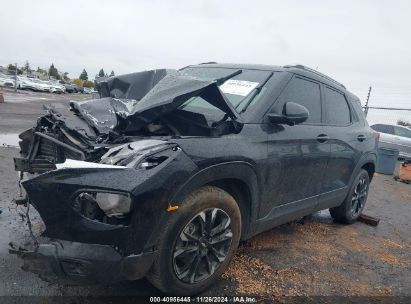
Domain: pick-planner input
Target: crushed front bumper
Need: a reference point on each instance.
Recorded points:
(80, 263)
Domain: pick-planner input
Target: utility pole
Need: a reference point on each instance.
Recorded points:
(366, 103)
(15, 78)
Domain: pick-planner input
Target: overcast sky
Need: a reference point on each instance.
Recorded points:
(359, 43)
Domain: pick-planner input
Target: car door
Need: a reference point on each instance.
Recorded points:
(402, 138)
(346, 137)
(297, 156)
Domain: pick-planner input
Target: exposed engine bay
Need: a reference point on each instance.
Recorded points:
(148, 104)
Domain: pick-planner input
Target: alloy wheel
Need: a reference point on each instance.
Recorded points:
(359, 197)
(202, 245)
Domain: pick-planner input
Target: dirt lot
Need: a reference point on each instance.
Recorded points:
(317, 257)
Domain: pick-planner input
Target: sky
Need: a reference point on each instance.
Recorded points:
(359, 43)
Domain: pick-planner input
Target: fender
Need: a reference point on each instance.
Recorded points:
(239, 170)
(368, 157)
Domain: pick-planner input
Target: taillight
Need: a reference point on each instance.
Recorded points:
(377, 136)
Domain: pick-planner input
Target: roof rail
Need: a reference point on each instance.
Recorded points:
(302, 67)
(211, 62)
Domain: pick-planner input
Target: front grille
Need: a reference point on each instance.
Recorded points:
(54, 152)
(47, 150)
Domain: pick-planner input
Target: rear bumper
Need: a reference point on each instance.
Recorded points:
(80, 263)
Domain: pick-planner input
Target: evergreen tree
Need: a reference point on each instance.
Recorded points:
(83, 75)
(27, 67)
(53, 72)
(101, 73)
(112, 73)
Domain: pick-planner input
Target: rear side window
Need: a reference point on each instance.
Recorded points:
(338, 112)
(402, 132)
(305, 93)
(383, 128)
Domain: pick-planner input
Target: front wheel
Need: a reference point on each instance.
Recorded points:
(197, 243)
(350, 210)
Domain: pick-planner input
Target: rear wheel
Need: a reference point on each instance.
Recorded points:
(197, 243)
(349, 211)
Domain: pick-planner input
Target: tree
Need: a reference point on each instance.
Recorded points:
(78, 82)
(53, 72)
(101, 73)
(83, 75)
(27, 67)
(12, 68)
(65, 76)
(88, 84)
(112, 73)
(404, 123)
(41, 71)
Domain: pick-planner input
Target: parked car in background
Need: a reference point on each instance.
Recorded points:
(89, 91)
(55, 87)
(41, 86)
(24, 83)
(72, 88)
(79, 89)
(210, 155)
(395, 137)
(6, 81)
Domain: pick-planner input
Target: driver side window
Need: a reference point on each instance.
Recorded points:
(305, 93)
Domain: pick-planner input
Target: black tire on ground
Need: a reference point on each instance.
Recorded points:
(217, 208)
(350, 210)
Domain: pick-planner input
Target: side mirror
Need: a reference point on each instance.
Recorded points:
(293, 113)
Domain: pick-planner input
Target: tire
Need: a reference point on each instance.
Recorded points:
(350, 210)
(169, 273)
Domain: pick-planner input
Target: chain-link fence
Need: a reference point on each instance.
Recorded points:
(388, 115)
(386, 104)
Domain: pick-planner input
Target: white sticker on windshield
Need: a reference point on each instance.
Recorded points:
(238, 87)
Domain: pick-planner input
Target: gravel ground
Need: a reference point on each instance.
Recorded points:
(312, 258)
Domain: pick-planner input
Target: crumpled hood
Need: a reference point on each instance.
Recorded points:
(130, 102)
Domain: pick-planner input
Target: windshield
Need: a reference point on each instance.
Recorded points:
(242, 91)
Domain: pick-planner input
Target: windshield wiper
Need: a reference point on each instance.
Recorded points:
(256, 91)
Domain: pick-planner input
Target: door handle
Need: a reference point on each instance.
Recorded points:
(322, 138)
(361, 137)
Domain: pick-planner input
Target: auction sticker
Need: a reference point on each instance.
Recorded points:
(238, 87)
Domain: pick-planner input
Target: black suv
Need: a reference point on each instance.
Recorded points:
(165, 173)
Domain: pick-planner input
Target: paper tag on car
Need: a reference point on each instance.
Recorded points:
(238, 87)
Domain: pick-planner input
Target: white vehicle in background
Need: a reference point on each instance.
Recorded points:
(394, 137)
(32, 84)
(24, 83)
(6, 81)
(88, 90)
(57, 88)
(41, 86)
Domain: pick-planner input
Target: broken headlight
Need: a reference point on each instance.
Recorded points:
(105, 207)
(113, 204)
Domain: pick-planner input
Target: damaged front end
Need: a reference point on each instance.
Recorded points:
(103, 217)
(101, 173)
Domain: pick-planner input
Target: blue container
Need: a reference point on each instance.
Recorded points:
(387, 158)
